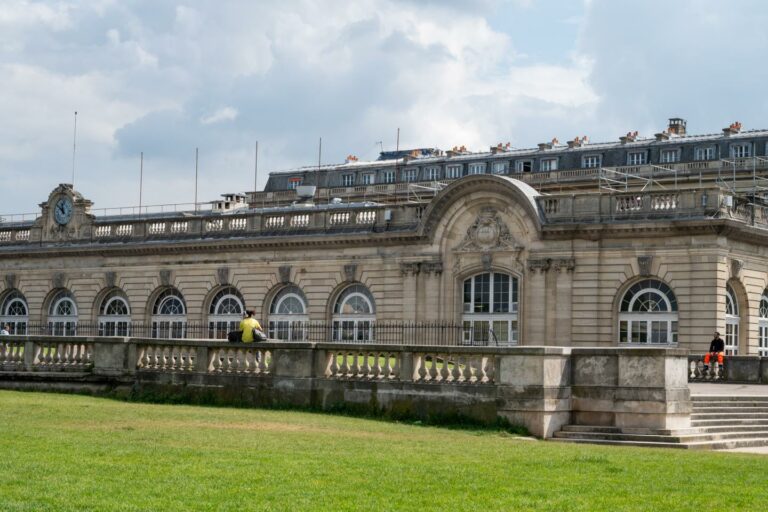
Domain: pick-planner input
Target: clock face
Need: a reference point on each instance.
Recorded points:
(62, 212)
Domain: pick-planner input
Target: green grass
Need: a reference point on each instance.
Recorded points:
(67, 452)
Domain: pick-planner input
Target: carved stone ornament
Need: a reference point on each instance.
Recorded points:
(432, 267)
(410, 268)
(110, 279)
(539, 264)
(58, 280)
(736, 266)
(487, 260)
(165, 277)
(644, 264)
(488, 233)
(567, 264)
(222, 276)
(350, 272)
(11, 281)
(285, 273)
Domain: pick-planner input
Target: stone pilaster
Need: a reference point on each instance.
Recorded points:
(535, 314)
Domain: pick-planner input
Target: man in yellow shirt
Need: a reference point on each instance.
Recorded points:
(248, 324)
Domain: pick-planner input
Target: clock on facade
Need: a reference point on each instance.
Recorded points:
(62, 212)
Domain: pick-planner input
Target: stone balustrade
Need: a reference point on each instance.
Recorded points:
(735, 369)
(541, 388)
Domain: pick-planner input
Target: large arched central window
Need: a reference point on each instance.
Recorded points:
(114, 315)
(762, 338)
(354, 313)
(226, 312)
(648, 314)
(14, 312)
(288, 315)
(490, 312)
(62, 314)
(169, 315)
(731, 322)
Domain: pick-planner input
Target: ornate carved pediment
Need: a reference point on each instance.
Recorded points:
(488, 233)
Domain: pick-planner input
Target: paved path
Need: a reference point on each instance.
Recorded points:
(703, 388)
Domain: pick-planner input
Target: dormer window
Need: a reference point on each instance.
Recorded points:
(591, 161)
(548, 164)
(524, 166)
(293, 183)
(636, 158)
(741, 150)
(432, 173)
(347, 180)
(453, 172)
(499, 167)
(409, 175)
(388, 177)
(477, 168)
(704, 153)
(368, 178)
(669, 156)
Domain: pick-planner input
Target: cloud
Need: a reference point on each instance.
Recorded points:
(220, 115)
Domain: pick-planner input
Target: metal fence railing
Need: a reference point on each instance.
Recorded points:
(352, 331)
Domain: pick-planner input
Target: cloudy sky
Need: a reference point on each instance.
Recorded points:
(165, 77)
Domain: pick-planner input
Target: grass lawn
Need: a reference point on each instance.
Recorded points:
(65, 452)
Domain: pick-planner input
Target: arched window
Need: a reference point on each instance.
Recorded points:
(354, 313)
(731, 322)
(762, 338)
(169, 315)
(288, 315)
(62, 314)
(491, 306)
(115, 315)
(648, 314)
(226, 312)
(14, 312)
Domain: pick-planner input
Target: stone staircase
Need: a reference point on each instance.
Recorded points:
(717, 422)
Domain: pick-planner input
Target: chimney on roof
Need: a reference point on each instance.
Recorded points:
(500, 148)
(543, 146)
(662, 136)
(350, 159)
(629, 137)
(577, 142)
(733, 129)
(676, 126)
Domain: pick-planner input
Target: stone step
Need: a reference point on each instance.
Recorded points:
(701, 445)
(726, 403)
(728, 422)
(734, 409)
(657, 438)
(735, 417)
(726, 398)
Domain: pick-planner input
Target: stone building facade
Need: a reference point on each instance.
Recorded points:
(488, 252)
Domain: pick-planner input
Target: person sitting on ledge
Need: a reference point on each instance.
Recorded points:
(248, 324)
(716, 348)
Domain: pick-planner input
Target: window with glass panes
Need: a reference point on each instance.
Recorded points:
(648, 314)
(225, 313)
(490, 309)
(288, 317)
(14, 312)
(368, 178)
(762, 325)
(741, 150)
(524, 166)
(476, 168)
(432, 173)
(354, 315)
(549, 164)
(635, 158)
(62, 314)
(115, 315)
(591, 161)
(669, 156)
(347, 180)
(732, 322)
(410, 175)
(169, 315)
(388, 177)
(453, 171)
(704, 153)
(499, 167)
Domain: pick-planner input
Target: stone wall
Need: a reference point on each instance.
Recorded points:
(541, 388)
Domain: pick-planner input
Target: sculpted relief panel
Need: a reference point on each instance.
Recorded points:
(488, 233)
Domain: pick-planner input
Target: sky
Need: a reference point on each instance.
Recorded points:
(164, 78)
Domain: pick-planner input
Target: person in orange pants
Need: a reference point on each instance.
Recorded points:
(716, 348)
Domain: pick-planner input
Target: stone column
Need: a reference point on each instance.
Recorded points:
(410, 274)
(433, 303)
(536, 302)
(561, 305)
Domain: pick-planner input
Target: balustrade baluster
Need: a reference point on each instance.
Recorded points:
(214, 363)
(366, 369)
(456, 370)
(377, 365)
(333, 364)
(265, 361)
(433, 368)
(389, 368)
(470, 374)
(445, 372)
(421, 367)
(344, 366)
